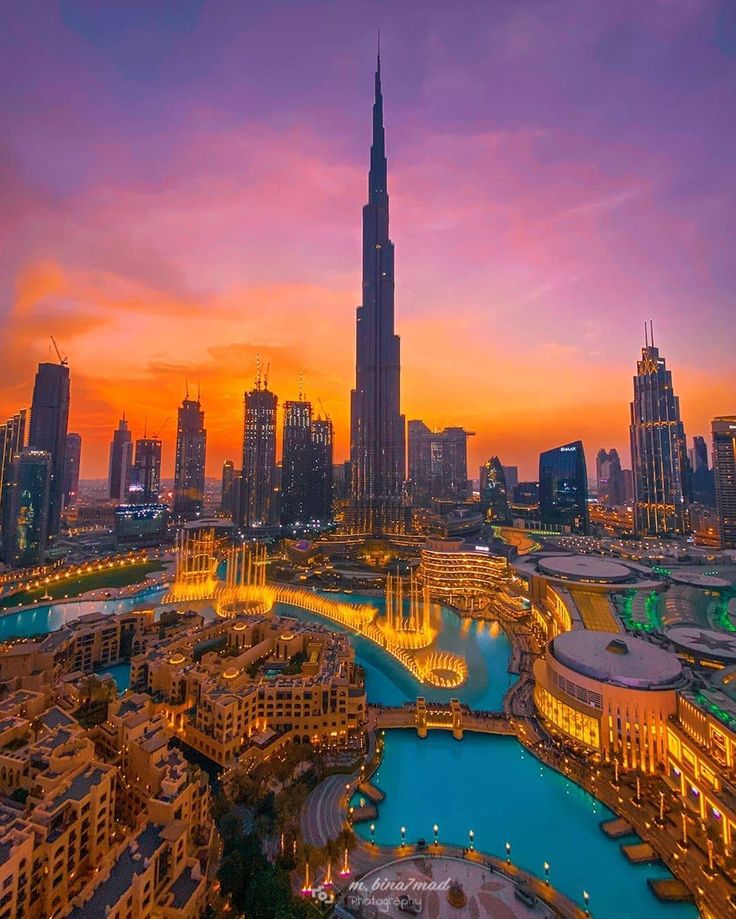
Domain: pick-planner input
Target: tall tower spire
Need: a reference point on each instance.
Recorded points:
(377, 448)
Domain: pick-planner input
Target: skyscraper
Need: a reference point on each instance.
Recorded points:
(258, 504)
(321, 477)
(296, 462)
(48, 430)
(701, 475)
(145, 479)
(449, 464)
(563, 487)
(71, 468)
(420, 463)
(226, 491)
(27, 511)
(191, 447)
(724, 466)
(12, 441)
(610, 478)
(377, 439)
(493, 491)
(512, 478)
(658, 456)
(121, 460)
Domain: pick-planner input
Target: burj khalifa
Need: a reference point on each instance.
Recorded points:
(377, 440)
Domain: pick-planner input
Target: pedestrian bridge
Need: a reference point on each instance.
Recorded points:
(451, 716)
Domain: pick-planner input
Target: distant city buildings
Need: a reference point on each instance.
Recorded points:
(321, 469)
(511, 474)
(296, 463)
(563, 488)
(494, 496)
(258, 506)
(191, 449)
(609, 478)
(419, 439)
(724, 464)
(48, 430)
(12, 440)
(438, 464)
(145, 479)
(227, 488)
(659, 463)
(121, 461)
(71, 468)
(377, 436)
(702, 484)
(27, 517)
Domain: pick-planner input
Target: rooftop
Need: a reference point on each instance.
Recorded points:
(616, 659)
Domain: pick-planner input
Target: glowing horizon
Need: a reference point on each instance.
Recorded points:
(183, 189)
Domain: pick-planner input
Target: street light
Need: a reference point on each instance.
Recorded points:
(508, 852)
(546, 873)
(436, 831)
(373, 834)
(403, 836)
(471, 837)
(586, 900)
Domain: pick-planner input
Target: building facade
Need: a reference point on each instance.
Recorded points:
(25, 534)
(724, 467)
(296, 463)
(493, 490)
(145, 479)
(563, 488)
(48, 430)
(610, 693)
(322, 434)
(609, 478)
(71, 468)
(258, 498)
(121, 460)
(191, 449)
(377, 435)
(419, 438)
(12, 440)
(659, 462)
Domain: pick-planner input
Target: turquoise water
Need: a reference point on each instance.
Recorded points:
(120, 673)
(488, 784)
(50, 618)
(492, 786)
(389, 683)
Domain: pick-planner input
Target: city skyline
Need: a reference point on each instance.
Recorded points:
(550, 235)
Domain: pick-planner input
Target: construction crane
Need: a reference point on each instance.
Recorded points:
(157, 436)
(62, 360)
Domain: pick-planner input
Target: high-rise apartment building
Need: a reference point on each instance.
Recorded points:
(659, 463)
(227, 488)
(296, 463)
(449, 464)
(321, 475)
(121, 461)
(610, 478)
(702, 484)
(493, 490)
(145, 479)
(48, 430)
(419, 438)
(12, 440)
(563, 488)
(191, 448)
(377, 437)
(724, 466)
(25, 533)
(71, 468)
(511, 474)
(258, 502)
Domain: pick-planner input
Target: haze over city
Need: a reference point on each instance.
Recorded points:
(181, 199)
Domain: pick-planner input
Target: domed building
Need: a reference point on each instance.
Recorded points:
(611, 693)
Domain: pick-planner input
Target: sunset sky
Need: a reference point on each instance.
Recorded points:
(181, 187)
